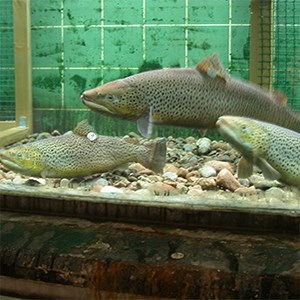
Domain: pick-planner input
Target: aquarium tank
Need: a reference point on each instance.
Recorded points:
(150, 149)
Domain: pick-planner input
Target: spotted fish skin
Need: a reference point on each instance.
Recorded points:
(276, 150)
(187, 97)
(74, 154)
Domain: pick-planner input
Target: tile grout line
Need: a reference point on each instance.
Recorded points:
(144, 30)
(230, 34)
(102, 41)
(186, 59)
(151, 25)
(62, 72)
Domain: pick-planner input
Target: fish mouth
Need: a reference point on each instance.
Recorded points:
(106, 108)
(103, 107)
(8, 163)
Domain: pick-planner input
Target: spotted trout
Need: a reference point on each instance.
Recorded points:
(187, 97)
(274, 149)
(81, 153)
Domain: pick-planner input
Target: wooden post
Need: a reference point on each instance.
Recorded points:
(11, 131)
(22, 47)
(261, 42)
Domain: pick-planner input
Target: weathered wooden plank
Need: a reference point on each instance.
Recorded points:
(150, 261)
(12, 135)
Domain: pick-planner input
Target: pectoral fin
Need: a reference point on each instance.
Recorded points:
(145, 124)
(213, 67)
(245, 168)
(268, 171)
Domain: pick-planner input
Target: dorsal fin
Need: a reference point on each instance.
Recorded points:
(280, 98)
(83, 128)
(213, 67)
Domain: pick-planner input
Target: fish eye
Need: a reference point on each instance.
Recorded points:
(109, 97)
(245, 129)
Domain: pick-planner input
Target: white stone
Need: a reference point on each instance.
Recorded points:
(204, 145)
(170, 175)
(18, 180)
(207, 171)
(102, 182)
(111, 189)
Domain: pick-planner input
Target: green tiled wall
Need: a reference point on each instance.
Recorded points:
(7, 81)
(78, 45)
(287, 51)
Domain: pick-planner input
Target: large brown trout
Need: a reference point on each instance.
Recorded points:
(187, 97)
(275, 150)
(81, 153)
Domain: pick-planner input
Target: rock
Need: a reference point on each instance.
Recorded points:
(246, 191)
(64, 183)
(143, 192)
(207, 183)
(204, 145)
(96, 188)
(43, 135)
(190, 140)
(121, 183)
(162, 189)
(55, 133)
(207, 171)
(111, 189)
(170, 168)
(10, 175)
(18, 180)
(192, 174)
(244, 181)
(189, 147)
(182, 172)
(34, 181)
(220, 145)
(170, 175)
(102, 182)
(275, 192)
(261, 183)
(195, 191)
(219, 165)
(226, 180)
(136, 167)
(145, 171)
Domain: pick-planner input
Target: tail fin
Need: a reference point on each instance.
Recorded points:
(157, 159)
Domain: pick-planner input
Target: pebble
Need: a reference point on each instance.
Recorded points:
(64, 183)
(207, 183)
(207, 171)
(19, 180)
(261, 183)
(162, 189)
(34, 181)
(192, 174)
(219, 165)
(275, 192)
(43, 135)
(189, 147)
(111, 189)
(204, 145)
(182, 172)
(170, 175)
(246, 191)
(195, 191)
(102, 182)
(170, 168)
(226, 180)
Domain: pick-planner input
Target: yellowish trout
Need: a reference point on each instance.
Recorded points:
(81, 153)
(275, 150)
(188, 97)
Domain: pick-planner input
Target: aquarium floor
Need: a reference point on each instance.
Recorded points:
(145, 261)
